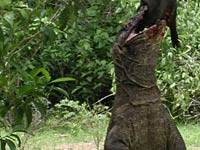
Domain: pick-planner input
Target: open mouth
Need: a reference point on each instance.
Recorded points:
(133, 24)
(132, 27)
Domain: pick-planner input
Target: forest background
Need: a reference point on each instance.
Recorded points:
(55, 56)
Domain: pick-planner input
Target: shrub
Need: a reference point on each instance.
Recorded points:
(178, 70)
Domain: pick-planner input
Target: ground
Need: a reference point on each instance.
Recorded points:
(60, 138)
(87, 146)
(73, 146)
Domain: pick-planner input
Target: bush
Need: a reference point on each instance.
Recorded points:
(83, 49)
(76, 117)
(178, 70)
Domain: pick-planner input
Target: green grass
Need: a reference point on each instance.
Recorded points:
(52, 135)
(191, 135)
(49, 137)
(58, 135)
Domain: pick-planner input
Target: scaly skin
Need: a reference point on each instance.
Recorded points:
(139, 120)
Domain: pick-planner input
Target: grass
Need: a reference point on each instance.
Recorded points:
(73, 130)
(58, 135)
(49, 137)
(191, 135)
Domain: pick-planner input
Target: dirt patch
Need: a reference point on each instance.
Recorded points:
(73, 146)
(92, 146)
(193, 148)
(87, 146)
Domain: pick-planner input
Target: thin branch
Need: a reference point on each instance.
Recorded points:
(107, 96)
(27, 40)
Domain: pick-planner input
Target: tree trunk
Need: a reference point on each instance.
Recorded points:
(139, 120)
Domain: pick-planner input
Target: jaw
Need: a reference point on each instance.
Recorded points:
(148, 34)
(137, 22)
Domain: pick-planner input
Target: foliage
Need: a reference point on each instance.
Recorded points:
(83, 49)
(21, 92)
(76, 117)
(178, 70)
(22, 95)
(45, 34)
(74, 38)
(69, 112)
(25, 87)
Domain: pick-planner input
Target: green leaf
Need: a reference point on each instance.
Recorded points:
(69, 13)
(9, 18)
(24, 14)
(3, 122)
(64, 79)
(24, 89)
(18, 139)
(4, 3)
(19, 128)
(62, 91)
(11, 144)
(41, 107)
(36, 71)
(92, 11)
(1, 40)
(50, 34)
(3, 81)
(18, 115)
(1, 36)
(2, 144)
(28, 114)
